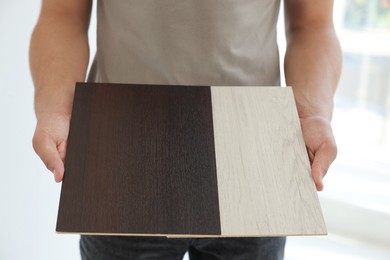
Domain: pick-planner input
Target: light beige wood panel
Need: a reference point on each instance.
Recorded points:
(263, 171)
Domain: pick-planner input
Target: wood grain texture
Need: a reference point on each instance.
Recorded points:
(187, 161)
(264, 182)
(140, 160)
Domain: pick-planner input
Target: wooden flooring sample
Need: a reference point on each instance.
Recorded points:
(187, 161)
(263, 169)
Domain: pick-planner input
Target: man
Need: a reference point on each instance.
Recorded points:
(188, 42)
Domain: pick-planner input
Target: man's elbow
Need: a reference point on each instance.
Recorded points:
(310, 27)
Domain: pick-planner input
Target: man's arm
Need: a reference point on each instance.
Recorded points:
(59, 55)
(312, 68)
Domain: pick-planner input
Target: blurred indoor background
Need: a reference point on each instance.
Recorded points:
(356, 199)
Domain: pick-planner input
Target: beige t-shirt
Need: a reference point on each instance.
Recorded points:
(189, 42)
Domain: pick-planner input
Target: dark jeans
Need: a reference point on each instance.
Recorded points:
(161, 248)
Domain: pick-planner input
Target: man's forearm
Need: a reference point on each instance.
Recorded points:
(312, 68)
(59, 55)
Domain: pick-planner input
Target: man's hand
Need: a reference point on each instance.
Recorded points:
(312, 69)
(49, 142)
(321, 146)
(59, 55)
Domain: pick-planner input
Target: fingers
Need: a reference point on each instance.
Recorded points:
(322, 160)
(46, 148)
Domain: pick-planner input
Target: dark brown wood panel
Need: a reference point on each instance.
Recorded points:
(140, 160)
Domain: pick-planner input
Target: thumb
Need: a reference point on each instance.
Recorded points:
(46, 148)
(322, 160)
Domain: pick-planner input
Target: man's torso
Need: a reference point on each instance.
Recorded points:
(189, 42)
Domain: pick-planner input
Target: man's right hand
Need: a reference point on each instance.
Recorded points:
(59, 55)
(49, 141)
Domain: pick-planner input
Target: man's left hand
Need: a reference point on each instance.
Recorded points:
(321, 146)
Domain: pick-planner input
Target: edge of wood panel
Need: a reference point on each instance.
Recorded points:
(181, 236)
